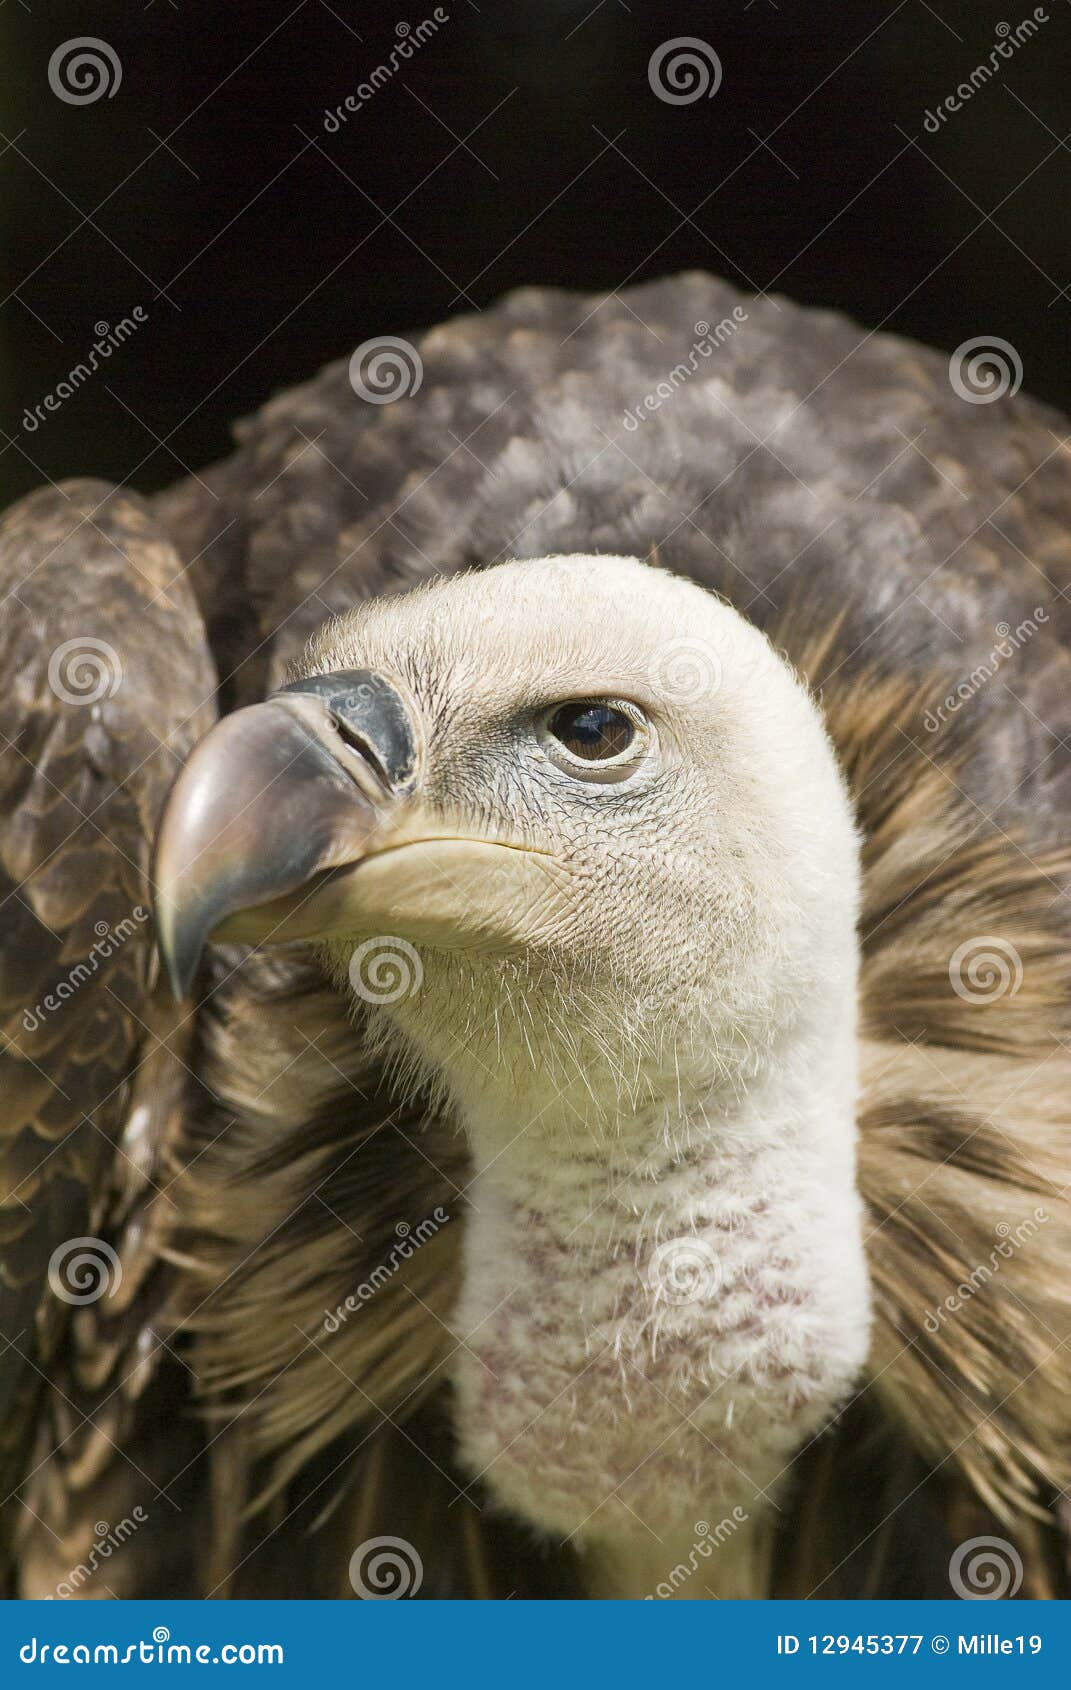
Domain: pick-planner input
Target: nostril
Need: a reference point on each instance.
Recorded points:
(370, 717)
(360, 743)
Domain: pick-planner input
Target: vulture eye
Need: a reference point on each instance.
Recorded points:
(595, 732)
(594, 739)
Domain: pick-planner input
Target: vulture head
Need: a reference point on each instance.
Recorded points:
(572, 834)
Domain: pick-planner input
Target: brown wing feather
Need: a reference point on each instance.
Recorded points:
(107, 683)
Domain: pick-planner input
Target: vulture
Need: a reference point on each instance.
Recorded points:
(535, 979)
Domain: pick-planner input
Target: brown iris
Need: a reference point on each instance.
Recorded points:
(592, 731)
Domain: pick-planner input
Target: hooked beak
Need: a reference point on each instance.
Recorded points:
(274, 803)
(304, 818)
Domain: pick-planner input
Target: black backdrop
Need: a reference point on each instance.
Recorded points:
(520, 142)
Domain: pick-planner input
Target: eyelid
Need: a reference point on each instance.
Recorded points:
(626, 706)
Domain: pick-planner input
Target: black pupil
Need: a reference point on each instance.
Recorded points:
(595, 732)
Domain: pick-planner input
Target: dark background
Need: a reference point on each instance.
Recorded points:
(521, 143)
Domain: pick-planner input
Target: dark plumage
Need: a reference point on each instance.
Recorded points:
(248, 1158)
